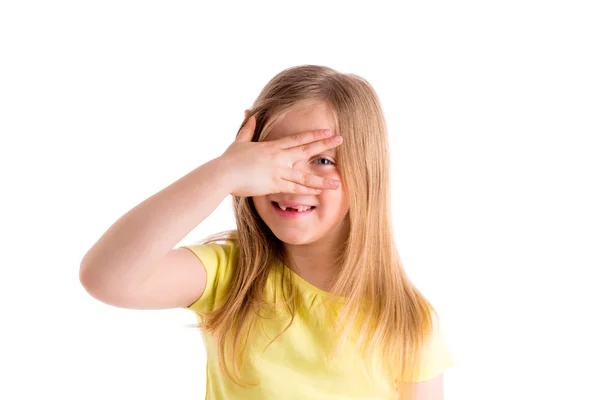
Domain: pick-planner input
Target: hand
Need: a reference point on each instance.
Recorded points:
(261, 168)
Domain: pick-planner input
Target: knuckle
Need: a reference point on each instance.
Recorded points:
(266, 145)
(273, 154)
(275, 178)
(304, 177)
(269, 147)
(305, 148)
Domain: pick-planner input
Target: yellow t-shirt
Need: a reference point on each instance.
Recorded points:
(295, 365)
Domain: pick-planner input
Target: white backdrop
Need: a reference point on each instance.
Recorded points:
(493, 112)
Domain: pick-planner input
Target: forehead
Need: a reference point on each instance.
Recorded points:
(306, 118)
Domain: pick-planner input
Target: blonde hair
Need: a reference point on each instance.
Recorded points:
(379, 301)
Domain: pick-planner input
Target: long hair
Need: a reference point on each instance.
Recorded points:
(381, 310)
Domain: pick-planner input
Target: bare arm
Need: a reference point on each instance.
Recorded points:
(131, 249)
(134, 265)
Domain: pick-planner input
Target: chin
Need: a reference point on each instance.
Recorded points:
(293, 238)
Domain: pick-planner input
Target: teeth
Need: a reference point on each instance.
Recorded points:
(300, 209)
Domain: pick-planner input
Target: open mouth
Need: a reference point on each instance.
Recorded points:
(299, 210)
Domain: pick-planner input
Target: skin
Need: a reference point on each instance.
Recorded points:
(432, 389)
(309, 240)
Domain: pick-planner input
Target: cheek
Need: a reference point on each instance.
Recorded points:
(260, 203)
(334, 198)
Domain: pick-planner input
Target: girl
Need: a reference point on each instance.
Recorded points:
(308, 298)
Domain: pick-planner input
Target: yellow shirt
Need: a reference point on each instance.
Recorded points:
(295, 365)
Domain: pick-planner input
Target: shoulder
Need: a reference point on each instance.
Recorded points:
(219, 261)
(434, 358)
(213, 252)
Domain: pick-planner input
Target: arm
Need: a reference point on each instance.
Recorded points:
(133, 264)
(432, 389)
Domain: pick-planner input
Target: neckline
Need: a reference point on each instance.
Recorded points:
(307, 285)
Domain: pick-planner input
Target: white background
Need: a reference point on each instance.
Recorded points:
(493, 112)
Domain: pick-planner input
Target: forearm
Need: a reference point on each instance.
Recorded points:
(128, 250)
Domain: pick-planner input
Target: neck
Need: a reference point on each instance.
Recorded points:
(316, 262)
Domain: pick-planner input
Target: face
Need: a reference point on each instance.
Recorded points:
(325, 224)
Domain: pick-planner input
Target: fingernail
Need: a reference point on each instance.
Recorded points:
(337, 139)
(327, 132)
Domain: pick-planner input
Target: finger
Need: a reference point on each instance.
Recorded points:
(308, 150)
(308, 180)
(293, 187)
(245, 134)
(301, 138)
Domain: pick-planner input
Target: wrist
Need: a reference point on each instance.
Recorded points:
(222, 168)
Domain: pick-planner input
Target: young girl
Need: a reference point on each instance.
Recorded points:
(308, 298)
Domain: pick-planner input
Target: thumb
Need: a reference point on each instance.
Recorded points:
(245, 134)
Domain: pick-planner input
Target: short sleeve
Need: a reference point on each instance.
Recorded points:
(219, 262)
(434, 359)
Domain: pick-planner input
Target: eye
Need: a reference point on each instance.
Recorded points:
(326, 159)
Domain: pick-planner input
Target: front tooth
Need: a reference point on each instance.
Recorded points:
(300, 209)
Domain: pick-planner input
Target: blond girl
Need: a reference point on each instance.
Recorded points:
(308, 297)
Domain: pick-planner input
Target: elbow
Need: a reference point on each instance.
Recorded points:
(93, 282)
(103, 287)
(87, 279)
